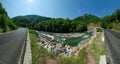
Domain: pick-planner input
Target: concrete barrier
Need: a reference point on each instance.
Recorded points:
(103, 59)
(28, 54)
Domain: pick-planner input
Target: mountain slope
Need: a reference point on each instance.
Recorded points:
(41, 23)
(88, 18)
(29, 20)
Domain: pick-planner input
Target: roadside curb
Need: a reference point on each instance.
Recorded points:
(28, 55)
(102, 59)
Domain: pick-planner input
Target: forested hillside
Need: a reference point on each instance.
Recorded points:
(6, 23)
(112, 21)
(88, 18)
(78, 24)
(29, 20)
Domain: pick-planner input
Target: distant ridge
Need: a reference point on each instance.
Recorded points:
(28, 20)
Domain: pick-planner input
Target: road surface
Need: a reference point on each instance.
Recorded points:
(112, 39)
(11, 45)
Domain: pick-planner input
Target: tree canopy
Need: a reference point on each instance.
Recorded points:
(6, 23)
(112, 21)
(41, 23)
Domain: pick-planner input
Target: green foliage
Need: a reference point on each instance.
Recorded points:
(29, 21)
(118, 14)
(96, 48)
(81, 27)
(1, 30)
(112, 21)
(116, 26)
(32, 31)
(34, 48)
(61, 25)
(88, 18)
(5, 22)
(99, 29)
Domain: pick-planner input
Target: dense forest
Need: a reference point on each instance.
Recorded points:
(6, 24)
(61, 25)
(29, 20)
(78, 24)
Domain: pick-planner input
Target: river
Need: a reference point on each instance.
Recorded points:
(71, 41)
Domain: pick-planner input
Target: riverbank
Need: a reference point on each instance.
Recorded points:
(65, 35)
(88, 53)
(59, 48)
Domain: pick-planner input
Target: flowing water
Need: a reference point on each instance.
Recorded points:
(71, 41)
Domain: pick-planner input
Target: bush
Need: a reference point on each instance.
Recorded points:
(32, 31)
(99, 29)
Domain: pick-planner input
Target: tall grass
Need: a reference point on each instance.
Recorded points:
(39, 54)
(80, 59)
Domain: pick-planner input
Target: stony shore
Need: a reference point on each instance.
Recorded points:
(60, 49)
(65, 35)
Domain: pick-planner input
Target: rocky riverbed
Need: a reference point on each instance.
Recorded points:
(57, 48)
(61, 49)
(65, 35)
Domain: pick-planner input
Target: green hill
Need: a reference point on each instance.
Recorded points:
(88, 18)
(29, 20)
(41, 23)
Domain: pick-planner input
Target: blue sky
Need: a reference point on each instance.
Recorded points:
(60, 8)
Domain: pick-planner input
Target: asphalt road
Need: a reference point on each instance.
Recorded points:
(11, 45)
(112, 39)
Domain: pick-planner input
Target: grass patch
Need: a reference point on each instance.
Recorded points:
(96, 48)
(99, 29)
(80, 59)
(39, 54)
(1, 30)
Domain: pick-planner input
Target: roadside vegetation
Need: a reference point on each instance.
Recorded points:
(81, 58)
(96, 48)
(6, 24)
(112, 21)
(98, 29)
(39, 54)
